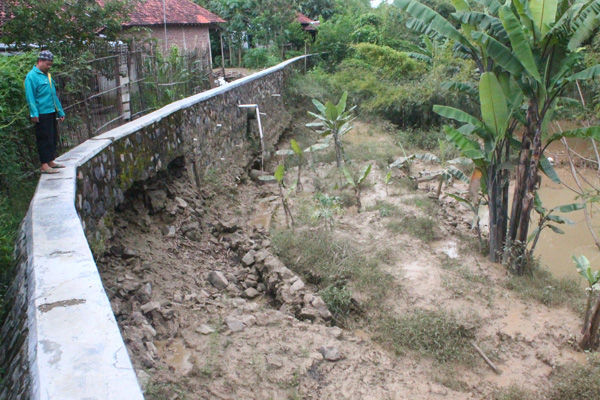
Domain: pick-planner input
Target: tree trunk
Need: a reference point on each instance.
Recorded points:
(522, 174)
(532, 183)
(338, 146)
(589, 341)
(495, 207)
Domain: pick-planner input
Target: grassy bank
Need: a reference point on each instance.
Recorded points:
(12, 211)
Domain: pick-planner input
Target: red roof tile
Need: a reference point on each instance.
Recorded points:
(3, 12)
(303, 19)
(150, 12)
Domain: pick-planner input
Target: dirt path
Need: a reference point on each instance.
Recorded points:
(257, 330)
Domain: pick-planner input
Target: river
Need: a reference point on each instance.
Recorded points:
(554, 250)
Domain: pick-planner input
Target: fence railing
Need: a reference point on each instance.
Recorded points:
(123, 82)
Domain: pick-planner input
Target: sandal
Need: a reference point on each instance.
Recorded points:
(49, 171)
(57, 166)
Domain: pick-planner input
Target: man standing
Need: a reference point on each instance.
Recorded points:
(44, 109)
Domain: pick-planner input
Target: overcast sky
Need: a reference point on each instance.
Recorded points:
(375, 3)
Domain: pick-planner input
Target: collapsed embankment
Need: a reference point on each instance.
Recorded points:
(60, 339)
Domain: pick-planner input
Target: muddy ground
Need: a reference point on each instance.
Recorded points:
(208, 309)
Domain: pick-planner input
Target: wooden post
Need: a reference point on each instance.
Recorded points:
(88, 121)
(222, 53)
(305, 52)
(118, 83)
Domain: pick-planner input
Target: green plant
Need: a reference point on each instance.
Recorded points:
(295, 150)
(338, 300)
(358, 183)
(591, 322)
(334, 122)
(474, 207)
(326, 208)
(546, 219)
(279, 177)
(64, 26)
(527, 54)
(259, 58)
(387, 181)
(385, 209)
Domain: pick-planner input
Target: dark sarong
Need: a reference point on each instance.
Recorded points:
(46, 137)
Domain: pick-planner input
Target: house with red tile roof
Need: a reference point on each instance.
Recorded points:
(308, 24)
(180, 23)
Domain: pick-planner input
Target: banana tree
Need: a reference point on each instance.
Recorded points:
(448, 170)
(279, 176)
(549, 220)
(299, 153)
(527, 53)
(591, 322)
(357, 183)
(334, 121)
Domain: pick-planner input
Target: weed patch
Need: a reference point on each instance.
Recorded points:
(435, 334)
(541, 286)
(514, 393)
(577, 382)
(419, 227)
(385, 209)
(336, 265)
(425, 204)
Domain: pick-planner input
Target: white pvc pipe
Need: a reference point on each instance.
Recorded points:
(260, 131)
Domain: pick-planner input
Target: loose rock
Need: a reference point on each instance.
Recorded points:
(151, 306)
(218, 280)
(205, 329)
(169, 231)
(251, 293)
(234, 324)
(143, 379)
(248, 259)
(330, 353)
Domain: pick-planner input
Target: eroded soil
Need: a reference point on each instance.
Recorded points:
(258, 331)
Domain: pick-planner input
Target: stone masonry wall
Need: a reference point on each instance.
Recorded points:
(60, 339)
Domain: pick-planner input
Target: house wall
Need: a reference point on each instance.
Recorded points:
(185, 37)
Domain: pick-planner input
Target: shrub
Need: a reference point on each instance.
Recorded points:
(390, 64)
(338, 300)
(259, 58)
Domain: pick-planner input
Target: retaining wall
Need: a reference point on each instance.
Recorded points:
(61, 340)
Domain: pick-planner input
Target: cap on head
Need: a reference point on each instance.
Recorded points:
(46, 55)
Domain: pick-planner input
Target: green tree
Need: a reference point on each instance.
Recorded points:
(271, 25)
(72, 25)
(317, 8)
(238, 14)
(333, 122)
(527, 53)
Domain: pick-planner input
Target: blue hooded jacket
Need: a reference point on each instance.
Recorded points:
(40, 92)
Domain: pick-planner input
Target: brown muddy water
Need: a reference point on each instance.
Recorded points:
(554, 250)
